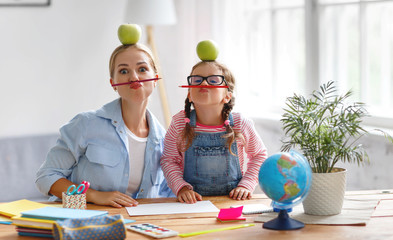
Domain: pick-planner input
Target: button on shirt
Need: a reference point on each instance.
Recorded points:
(93, 147)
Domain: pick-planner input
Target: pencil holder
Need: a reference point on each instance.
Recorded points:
(76, 201)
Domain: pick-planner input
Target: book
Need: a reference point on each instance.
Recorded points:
(14, 208)
(254, 208)
(5, 220)
(32, 222)
(51, 213)
(34, 232)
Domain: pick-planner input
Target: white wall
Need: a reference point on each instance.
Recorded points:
(54, 60)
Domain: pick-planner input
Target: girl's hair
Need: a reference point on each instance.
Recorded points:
(189, 133)
(122, 48)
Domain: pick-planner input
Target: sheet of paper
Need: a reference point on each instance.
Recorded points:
(354, 212)
(171, 208)
(384, 209)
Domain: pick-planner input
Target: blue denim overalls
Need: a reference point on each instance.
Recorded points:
(208, 165)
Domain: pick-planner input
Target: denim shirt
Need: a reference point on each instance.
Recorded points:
(93, 146)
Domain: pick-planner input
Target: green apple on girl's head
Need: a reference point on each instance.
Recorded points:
(207, 50)
(129, 33)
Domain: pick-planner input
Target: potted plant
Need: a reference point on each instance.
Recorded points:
(326, 128)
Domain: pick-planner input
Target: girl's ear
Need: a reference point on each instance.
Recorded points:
(228, 97)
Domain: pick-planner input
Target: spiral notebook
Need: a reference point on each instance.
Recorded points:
(255, 208)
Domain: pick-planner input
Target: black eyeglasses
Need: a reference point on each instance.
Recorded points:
(214, 80)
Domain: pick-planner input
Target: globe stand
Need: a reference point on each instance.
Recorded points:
(283, 222)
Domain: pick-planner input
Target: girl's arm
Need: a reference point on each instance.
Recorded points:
(172, 160)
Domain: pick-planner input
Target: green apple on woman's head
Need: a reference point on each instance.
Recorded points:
(129, 33)
(207, 50)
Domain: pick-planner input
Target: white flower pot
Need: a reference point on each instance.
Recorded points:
(326, 194)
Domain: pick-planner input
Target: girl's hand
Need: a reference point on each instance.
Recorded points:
(240, 193)
(188, 196)
(114, 199)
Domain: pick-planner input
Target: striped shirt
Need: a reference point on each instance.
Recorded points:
(251, 152)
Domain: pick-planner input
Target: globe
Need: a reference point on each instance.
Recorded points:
(285, 178)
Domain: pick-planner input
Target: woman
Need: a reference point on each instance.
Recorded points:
(116, 148)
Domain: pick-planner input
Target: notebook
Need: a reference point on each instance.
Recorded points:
(31, 232)
(33, 222)
(51, 213)
(14, 208)
(255, 208)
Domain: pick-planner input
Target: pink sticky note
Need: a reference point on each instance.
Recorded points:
(227, 214)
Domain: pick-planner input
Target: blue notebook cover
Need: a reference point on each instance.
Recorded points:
(54, 213)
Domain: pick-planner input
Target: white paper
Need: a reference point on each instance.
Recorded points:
(171, 208)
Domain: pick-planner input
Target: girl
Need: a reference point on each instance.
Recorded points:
(205, 147)
(116, 148)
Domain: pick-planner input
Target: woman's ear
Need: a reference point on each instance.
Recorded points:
(111, 81)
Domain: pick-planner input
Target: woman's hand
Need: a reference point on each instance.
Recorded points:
(240, 193)
(114, 199)
(188, 196)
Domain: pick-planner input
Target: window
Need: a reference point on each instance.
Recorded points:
(356, 39)
(278, 47)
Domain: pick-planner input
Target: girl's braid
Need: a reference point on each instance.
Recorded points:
(188, 132)
(230, 135)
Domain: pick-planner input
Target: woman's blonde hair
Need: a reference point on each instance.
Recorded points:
(122, 48)
(189, 133)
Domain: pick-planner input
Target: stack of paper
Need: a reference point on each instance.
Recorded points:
(12, 210)
(39, 222)
(33, 227)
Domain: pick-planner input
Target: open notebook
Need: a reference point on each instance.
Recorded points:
(255, 208)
